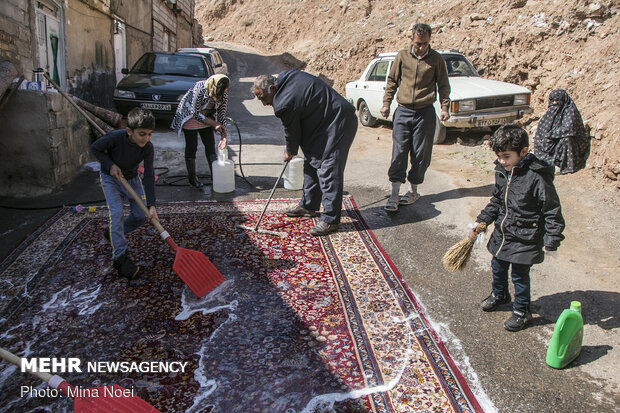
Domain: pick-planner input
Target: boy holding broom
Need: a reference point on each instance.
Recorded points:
(120, 152)
(527, 214)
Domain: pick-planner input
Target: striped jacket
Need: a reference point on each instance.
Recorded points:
(191, 106)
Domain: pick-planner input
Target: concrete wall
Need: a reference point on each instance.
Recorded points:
(90, 56)
(137, 16)
(184, 34)
(164, 28)
(16, 43)
(41, 148)
(187, 8)
(186, 26)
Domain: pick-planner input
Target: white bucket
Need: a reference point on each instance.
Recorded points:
(223, 173)
(294, 175)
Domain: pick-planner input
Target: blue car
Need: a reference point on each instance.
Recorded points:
(158, 81)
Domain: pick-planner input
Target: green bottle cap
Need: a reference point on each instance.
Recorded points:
(575, 306)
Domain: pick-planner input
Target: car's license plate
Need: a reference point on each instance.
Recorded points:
(155, 106)
(491, 122)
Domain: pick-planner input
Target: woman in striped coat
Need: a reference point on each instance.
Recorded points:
(202, 110)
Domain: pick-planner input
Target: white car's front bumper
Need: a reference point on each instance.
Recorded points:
(484, 119)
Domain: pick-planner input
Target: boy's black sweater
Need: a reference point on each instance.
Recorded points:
(526, 210)
(116, 148)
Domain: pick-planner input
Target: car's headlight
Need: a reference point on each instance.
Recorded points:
(119, 93)
(523, 99)
(463, 105)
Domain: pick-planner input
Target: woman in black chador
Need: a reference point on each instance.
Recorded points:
(561, 137)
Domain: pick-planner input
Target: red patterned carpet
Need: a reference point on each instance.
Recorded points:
(301, 324)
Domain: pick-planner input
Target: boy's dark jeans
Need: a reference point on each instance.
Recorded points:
(520, 280)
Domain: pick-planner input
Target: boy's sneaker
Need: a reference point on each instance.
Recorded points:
(493, 301)
(125, 266)
(518, 320)
(106, 236)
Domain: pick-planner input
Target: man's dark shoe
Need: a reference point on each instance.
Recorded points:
(492, 302)
(299, 211)
(106, 236)
(125, 266)
(518, 320)
(323, 228)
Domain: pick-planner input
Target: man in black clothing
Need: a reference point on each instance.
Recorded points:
(320, 121)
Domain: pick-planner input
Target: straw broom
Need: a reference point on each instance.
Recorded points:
(457, 256)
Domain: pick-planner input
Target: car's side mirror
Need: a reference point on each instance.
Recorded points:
(125, 71)
(481, 71)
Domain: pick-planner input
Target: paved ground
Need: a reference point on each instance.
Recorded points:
(506, 370)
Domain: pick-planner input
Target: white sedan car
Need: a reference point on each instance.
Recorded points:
(475, 102)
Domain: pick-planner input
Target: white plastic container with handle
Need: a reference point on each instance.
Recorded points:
(294, 175)
(223, 173)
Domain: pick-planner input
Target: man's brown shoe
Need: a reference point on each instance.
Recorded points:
(299, 211)
(323, 228)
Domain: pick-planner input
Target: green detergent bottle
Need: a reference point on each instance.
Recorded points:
(567, 337)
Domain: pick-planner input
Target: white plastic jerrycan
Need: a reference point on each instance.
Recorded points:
(294, 175)
(223, 173)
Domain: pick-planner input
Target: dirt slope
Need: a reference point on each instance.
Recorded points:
(543, 45)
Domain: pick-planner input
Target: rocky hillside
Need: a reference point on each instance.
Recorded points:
(543, 45)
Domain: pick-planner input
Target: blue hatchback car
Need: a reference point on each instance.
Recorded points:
(158, 81)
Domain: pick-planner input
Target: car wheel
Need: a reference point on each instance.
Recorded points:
(440, 132)
(365, 117)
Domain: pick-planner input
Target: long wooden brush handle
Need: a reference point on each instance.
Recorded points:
(143, 207)
(162, 232)
(75, 105)
(12, 358)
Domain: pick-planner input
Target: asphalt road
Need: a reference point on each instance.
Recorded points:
(506, 371)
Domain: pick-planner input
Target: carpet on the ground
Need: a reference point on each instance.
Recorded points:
(301, 324)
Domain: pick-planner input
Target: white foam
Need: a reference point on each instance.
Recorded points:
(205, 305)
(82, 299)
(207, 386)
(191, 304)
(326, 401)
(6, 335)
(231, 318)
(6, 372)
(11, 285)
(460, 358)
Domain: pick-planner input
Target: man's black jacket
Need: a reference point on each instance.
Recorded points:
(313, 114)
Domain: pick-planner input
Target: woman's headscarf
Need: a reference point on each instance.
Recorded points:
(561, 120)
(561, 138)
(192, 103)
(212, 86)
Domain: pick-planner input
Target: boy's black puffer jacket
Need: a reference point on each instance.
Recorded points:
(526, 210)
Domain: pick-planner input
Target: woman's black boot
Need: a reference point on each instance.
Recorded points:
(190, 163)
